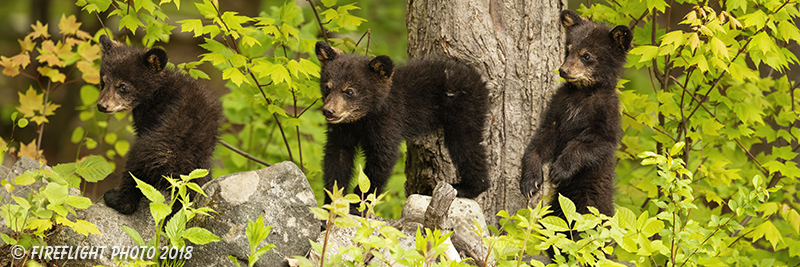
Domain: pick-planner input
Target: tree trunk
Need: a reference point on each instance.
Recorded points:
(516, 46)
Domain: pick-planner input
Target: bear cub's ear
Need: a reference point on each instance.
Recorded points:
(622, 36)
(107, 43)
(382, 66)
(325, 52)
(569, 19)
(155, 59)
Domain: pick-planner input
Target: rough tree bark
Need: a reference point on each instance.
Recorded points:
(516, 46)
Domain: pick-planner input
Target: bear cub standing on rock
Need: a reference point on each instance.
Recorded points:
(581, 127)
(369, 103)
(175, 117)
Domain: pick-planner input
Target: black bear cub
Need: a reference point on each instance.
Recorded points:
(371, 104)
(581, 126)
(176, 119)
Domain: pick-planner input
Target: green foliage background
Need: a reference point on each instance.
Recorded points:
(707, 171)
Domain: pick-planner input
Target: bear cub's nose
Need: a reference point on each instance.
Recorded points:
(328, 112)
(102, 107)
(563, 72)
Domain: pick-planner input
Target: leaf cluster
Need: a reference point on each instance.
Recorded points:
(51, 202)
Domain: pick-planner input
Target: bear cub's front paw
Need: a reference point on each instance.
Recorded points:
(121, 201)
(529, 187)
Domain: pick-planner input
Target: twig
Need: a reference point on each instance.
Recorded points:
(654, 128)
(245, 154)
(264, 94)
(319, 21)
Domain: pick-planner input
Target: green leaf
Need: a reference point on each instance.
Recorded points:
(258, 253)
(77, 135)
(345, 222)
(289, 11)
(159, 210)
(569, 209)
(769, 232)
(85, 228)
(784, 152)
(652, 227)
(53, 74)
(149, 192)
(310, 67)
(648, 52)
(94, 168)
(200, 236)
(134, 235)
(279, 74)
(256, 231)
(794, 219)
(363, 181)
(276, 109)
(206, 9)
(235, 76)
(39, 225)
(674, 38)
(175, 226)
(56, 193)
(196, 188)
(131, 22)
(676, 149)
(22, 123)
(756, 19)
(192, 25)
(7, 239)
(78, 202)
(24, 179)
(320, 213)
(89, 94)
(122, 147)
(329, 3)
(626, 218)
(718, 48)
(554, 223)
(23, 203)
(234, 260)
(198, 173)
(710, 127)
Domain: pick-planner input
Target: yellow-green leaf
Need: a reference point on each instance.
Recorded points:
(648, 52)
(39, 30)
(54, 74)
(68, 25)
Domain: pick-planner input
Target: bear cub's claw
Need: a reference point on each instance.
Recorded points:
(530, 187)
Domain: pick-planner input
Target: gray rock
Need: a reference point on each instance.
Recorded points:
(22, 165)
(460, 217)
(281, 192)
(3, 172)
(341, 238)
(109, 222)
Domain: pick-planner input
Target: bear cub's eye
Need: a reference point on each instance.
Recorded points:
(586, 57)
(123, 88)
(349, 92)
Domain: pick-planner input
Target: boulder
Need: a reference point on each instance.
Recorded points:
(22, 165)
(341, 238)
(3, 172)
(460, 217)
(281, 192)
(109, 222)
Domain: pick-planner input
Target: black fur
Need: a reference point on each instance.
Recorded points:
(581, 127)
(372, 104)
(175, 117)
